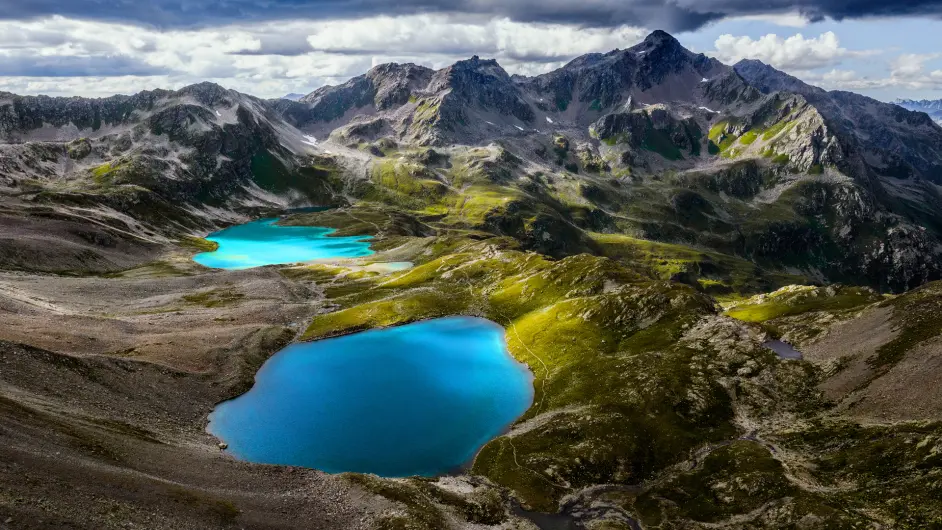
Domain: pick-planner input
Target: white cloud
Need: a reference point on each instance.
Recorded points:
(792, 53)
(911, 65)
(440, 35)
(907, 72)
(271, 59)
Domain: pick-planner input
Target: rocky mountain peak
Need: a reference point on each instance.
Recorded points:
(207, 93)
(934, 104)
(480, 83)
(767, 79)
(393, 84)
(474, 67)
(659, 38)
(396, 70)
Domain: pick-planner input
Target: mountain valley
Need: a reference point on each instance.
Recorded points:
(641, 222)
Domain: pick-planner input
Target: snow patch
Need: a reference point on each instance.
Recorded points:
(218, 114)
(704, 80)
(708, 110)
(519, 127)
(489, 123)
(549, 120)
(310, 140)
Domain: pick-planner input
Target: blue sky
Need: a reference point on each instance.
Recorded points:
(876, 48)
(272, 47)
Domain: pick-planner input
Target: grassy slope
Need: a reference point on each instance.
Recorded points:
(626, 389)
(796, 300)
(574, 322)
(621, 398)
(623, 395)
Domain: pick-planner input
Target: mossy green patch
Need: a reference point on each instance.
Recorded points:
(198, 244)
(717, 273)
(401, 308)
(720, 140)
(796, 300)
(779, 127)
(406, 184)
(749, 137)
(104, 174)
(717, 130)
(316, 181)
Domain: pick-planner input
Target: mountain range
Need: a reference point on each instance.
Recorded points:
(652, 141)
(644, 223)
(931, 107)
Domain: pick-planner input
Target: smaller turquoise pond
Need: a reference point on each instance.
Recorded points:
(419, 399)
(263, 242)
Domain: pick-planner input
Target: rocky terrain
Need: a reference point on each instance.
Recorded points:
(642, 222)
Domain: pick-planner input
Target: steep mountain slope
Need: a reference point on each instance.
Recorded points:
(656, 70)
(199, 143)
(136, 170)
(892, 141)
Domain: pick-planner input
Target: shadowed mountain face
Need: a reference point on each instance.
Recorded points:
(653, 141)
(656, 70)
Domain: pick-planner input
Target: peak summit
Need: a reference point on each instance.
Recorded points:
(660, 38)
(476, 62)
(752, 63)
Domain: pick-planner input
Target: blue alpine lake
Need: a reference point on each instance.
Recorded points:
(419, 399)
(263, 242)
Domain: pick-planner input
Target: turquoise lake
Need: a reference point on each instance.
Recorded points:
(262, 242)
(419, 399)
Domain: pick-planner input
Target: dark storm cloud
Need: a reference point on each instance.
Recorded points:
(676, 15)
